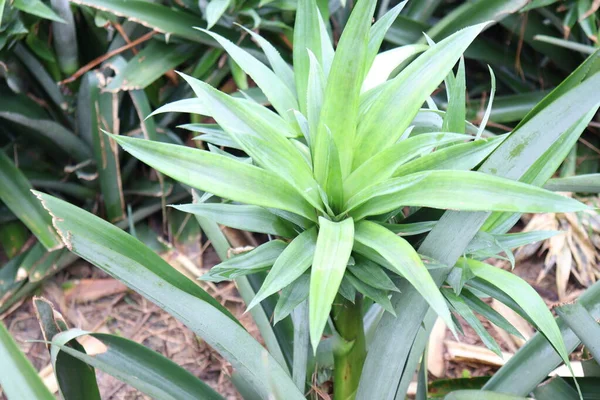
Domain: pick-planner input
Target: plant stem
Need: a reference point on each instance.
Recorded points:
(348, 359)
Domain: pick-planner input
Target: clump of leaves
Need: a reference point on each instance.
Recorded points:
(336, 162)
(333, 163)
(331, 170)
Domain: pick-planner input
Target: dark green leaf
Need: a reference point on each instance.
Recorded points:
(372, 274)
(136, 365)
(460, 306)
(76, 379)
(583, 324)
(15, 192)
(37, 8)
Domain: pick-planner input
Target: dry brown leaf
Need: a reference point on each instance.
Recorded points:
(469, 353)
(515, 320)
(564, 263)
(539, 222)
(435, 353)
(574, 253)
(93, 289)
(593, 8)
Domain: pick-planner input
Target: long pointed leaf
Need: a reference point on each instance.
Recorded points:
(278, 93)
(243, 217)
(384, 164)
(140, 367)
(152, 62)
(156, 16)
(372, 274)
(189, 106)
(37, 8)
(260, 137)
(307, 36)
(461, 308)
(526, 297)
(464, 156)
(379, 128)
(340, 105)
(315, 91)
(75, 379)
(377, 295)
(454, 120)
(291, 296)
(278, 64)
(583, 324)
(332, 251)
(405, 261)
(64, 37)
(485, 310)
(65, 140)
(99, 112)
(378, 31)
(457, 190)
(290, 265)
(256, 260)
(218, 174)
(124, 257)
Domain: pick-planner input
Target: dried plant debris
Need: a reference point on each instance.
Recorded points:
(573, 253)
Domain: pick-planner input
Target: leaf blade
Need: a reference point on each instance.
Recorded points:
(332, 251)
(374, 130)
(339, 112)
(144, 369)
(243, 217)
(583, 324)
(526, 297)
(405, 261)
(19, 380)
(457, 190)
(124, 257)
(258, 132)
(278, 93)
(217, 174)
(290, 265)
(384, 164)
(256, 260)
(15, 192)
